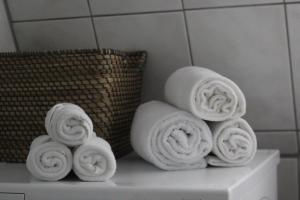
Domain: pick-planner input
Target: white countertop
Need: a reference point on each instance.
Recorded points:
(135, 176)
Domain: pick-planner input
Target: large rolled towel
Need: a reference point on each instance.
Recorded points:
(205, 93)
(69, 124)
(48, 160)
(169, 138)
(94, 160)
(234, 143)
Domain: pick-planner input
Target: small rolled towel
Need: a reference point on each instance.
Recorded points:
(94, 160)
(48, 160)
(69, 124)
(205, 93)
(234, 143)
(169, 138)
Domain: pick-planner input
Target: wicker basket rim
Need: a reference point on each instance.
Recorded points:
(104, 51)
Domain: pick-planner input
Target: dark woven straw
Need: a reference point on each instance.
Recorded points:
(105, 83)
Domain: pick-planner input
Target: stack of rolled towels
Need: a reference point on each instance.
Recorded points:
(200, 124)
(70, 144)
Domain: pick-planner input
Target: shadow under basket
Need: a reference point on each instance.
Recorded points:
(105, 83)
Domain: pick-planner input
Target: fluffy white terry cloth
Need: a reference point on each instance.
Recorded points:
(94, 160)
(205, 93)
(234, 143)
(169, 138)
(48, 160)
(69, 124)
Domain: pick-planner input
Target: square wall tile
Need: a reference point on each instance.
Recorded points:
(162, 35)
(220, 3)
(249, 46)
(6, 38)
(132, 6)
(55, 34)
(288, 179)
(286, 142)
(293, 11)
(45, 9)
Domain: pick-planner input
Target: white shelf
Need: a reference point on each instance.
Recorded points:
(136, 179)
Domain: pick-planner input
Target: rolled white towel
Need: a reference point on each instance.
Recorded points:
(69, 124)
(234, 143)
(48, 160)
(169, 138)
(94, 160)
(205, 93)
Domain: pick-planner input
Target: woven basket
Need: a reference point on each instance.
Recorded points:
(105, 83)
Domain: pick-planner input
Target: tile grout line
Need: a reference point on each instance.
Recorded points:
(138, 13)
(270, 130)
(296, 2)
(291, 70)
(292, 85)
(291, 155)
(51, 19)
(187, 34)
(12, 193)
(93, 24)
(94, 16)
(12, 30)
(152, 12)
(234, 6)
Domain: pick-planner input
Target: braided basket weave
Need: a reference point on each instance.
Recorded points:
(105, 83)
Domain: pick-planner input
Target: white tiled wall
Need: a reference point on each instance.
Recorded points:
(254, 42)
(55, 34)
(161, 34)
(45, 9)
(132, 6)
(288, 179)
(6, 37)
(294, 28)
(249, 46)
(285, 141)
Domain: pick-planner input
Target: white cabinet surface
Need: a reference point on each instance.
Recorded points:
(138, 180)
